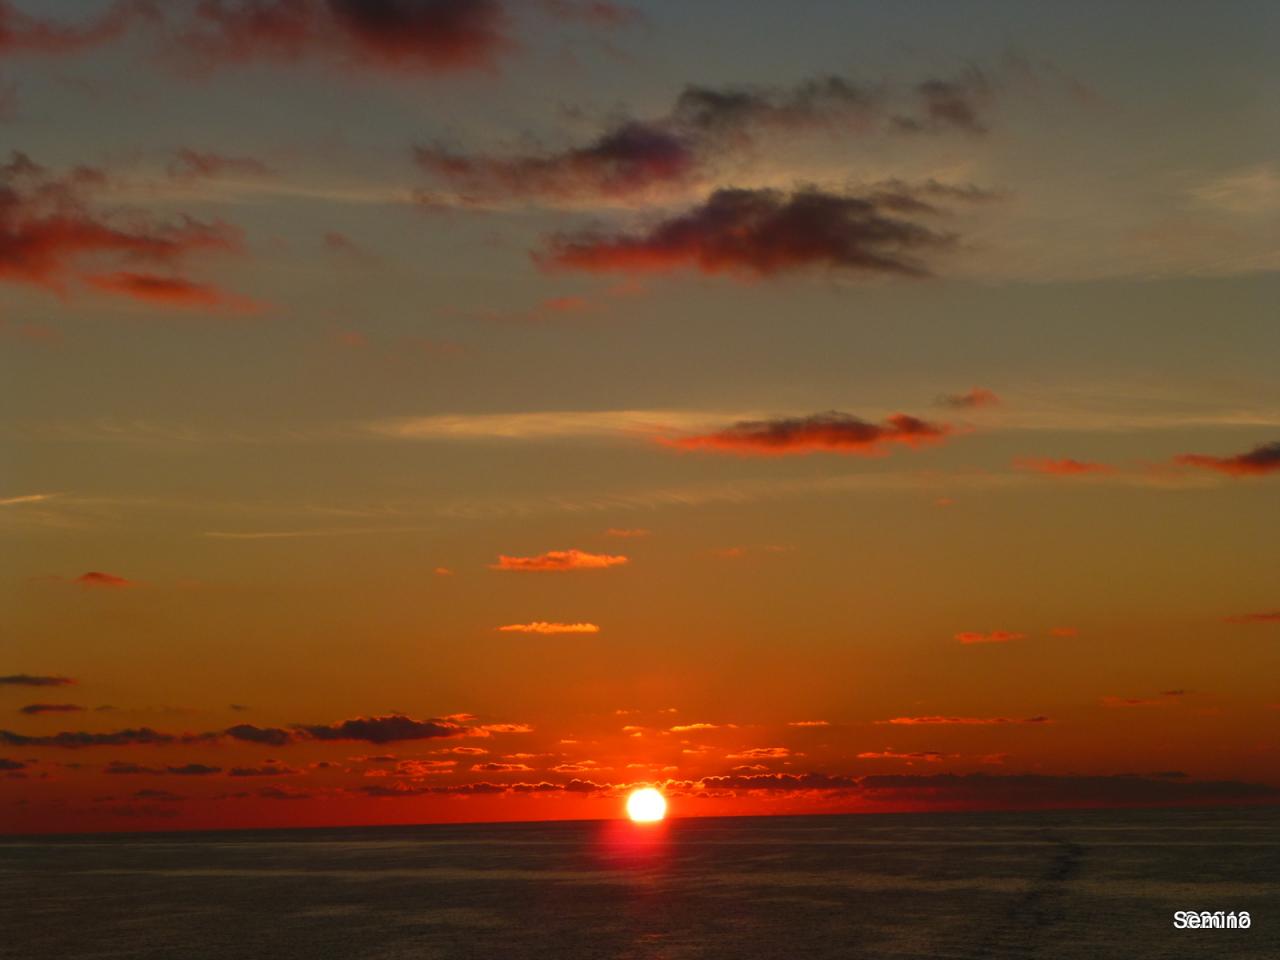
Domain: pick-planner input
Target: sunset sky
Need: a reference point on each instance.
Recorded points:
(434, 410)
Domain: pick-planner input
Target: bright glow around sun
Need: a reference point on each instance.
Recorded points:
(646, 805)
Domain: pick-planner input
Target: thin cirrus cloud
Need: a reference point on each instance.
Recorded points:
(549, 627)
(759, 233)
(635, 156)
(21, 33)
(973, 399)
(961, 721)
(48, 223)
(1065, 467)
(556, 561)
(1259, 461)
(994, 636)
(832, 431)
(189, 164)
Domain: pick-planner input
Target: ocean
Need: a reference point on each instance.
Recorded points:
(1087, 885)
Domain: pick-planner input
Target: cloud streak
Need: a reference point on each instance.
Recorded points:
(832, 431)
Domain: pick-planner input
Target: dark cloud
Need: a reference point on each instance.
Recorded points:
(431, 35)
(386, 729)
(135, 769)
(602, 13)
(73, 740)
(269, 770)
(1035, 791)
(31, 680)
(270, 736)
(831, 431)
(626, 160)
(163, 796)
(7, 764)
(956, 104)
(1257, 462)
(759, 233)
(49, 223)
(35, 708)
(283, 793)
(705, 124)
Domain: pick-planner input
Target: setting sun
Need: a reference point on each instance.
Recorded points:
(646, 805)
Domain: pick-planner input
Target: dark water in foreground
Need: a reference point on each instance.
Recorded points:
(1081, 885)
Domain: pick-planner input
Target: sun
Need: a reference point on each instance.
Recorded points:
(646, 805)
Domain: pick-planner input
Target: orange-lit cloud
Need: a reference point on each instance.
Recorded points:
(558, 560)
(994, 636)
(1063, 632)
(961, 721)
(760, 233)
(47, 223)
(1268, 616)
(970, 399)
(1061, 468)
(96, 578)
(1257, 462)
(832, 431)
(543, 626)
(627, 532)
(808, 723)
(929, 756)
(762, 753)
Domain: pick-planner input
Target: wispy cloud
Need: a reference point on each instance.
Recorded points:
(546, 627)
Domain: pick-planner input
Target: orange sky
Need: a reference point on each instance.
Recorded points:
(469, 420)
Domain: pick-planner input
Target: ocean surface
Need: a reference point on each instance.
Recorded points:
(1064, 885)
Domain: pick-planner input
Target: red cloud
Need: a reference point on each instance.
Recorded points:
(47, 223)
(995, 636)
(831, 431)
(30, 680)
(977, 397)
(542, 626)
(1060, 468)
(558, 560)
(759, 233)
(1269, 616)
(960, 721)
(1257, 462)
(36, 708)
(432, 35)
(168, 291)
(96, 578)
(22, 33)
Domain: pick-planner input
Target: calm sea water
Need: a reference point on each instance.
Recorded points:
(1081, 885)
